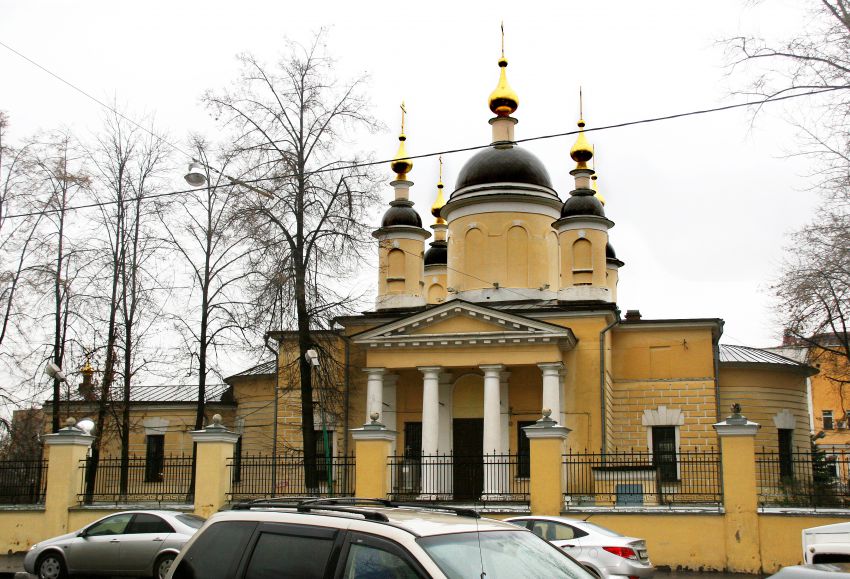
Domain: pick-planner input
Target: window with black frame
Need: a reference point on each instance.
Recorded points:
(523, 449)
(154, 457)
(786, 453)
(664, 452)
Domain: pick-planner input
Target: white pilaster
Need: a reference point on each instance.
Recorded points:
(374, 393)
(552, 386)
(562, 378)
(444, 438)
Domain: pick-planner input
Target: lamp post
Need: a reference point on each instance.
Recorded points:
(313, 359)
(196, 177)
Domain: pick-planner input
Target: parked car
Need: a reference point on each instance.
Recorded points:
(816, 571)
(827, 544)
(366, 539)
(605, 553)
(135, 543)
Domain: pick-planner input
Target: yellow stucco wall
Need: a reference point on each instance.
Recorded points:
(763, 393)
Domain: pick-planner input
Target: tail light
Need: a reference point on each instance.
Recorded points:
(624, 552)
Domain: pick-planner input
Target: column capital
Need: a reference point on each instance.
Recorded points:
(551, 367)
(433, 370)
(736, 424)
(367, 433)
(215, 432)
(546, 427)
(378, 371)
(492, 369)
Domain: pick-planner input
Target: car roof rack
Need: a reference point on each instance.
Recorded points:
(366, 514)
(459, 511)
(272, 502)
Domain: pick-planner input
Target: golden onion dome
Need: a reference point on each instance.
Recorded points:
(441, 201)
(87, 368)
(582, 151)
(503, 100)
(597, 194)
(400, 164)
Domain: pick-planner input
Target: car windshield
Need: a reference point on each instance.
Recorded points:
(502, 554)
(193, 521)
(601, 530)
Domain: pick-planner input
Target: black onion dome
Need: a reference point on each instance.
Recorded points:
(437, 254)
(578, 205)
(503, 165)
(401, 212)
(609, 251)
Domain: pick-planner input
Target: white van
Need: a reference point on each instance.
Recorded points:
(827, 544)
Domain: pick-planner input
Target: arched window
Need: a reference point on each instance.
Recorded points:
(395, 270)
(517, 265)
(582, 262)
(474, 257)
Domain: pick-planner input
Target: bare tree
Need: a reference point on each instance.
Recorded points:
(204, 229)
(55, 168)
(306, 211)
(127, 162)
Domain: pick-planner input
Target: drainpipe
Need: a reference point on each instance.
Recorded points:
(602, 378)
(276, 352)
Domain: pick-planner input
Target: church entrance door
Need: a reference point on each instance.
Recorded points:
(468, 444)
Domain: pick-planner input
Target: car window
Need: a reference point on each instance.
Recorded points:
(147, 523)
(552, 531)
(114, 525)
(525, 524)
(370, 561)
(500, 555)
(193, 521)
(283, 556)
(602, 530)
(216, 552)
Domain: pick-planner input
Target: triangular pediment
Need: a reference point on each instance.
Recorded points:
(459, 323)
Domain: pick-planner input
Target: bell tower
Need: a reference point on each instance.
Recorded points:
(401, 241)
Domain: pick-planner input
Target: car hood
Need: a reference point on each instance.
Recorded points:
(59, 539)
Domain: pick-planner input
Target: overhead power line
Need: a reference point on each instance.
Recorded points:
(343, 166)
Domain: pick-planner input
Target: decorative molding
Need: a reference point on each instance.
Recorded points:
(785, 420)
(373, 434)
(725, 429)
(663, 416)
(154, 426)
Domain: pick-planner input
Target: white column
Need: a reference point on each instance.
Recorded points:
(444, 438)
(430, 427)
(389, 415)
(552, 387)
(562, 378)
(374, 393)
(505, 410)
(492, 425)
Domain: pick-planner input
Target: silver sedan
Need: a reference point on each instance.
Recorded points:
(134, 543)
(605, 553)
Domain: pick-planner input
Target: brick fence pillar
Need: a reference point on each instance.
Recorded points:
(68, 448)
(373, 445)
(740, 492)
(212, 477)
(547, 441)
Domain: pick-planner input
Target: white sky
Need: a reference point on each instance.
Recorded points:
(702, 204)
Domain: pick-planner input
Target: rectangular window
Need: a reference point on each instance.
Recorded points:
(827, 420)
(413, 440)
(664, 452)
(523, 449)
(154, 457)
(786, 453)
(324, 467)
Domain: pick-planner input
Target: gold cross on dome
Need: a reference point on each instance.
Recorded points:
(403, 111)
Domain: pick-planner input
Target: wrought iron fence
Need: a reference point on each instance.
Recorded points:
(263, 476)
(637, 478)
(22, 482)
(167, 479)
(803, 478)
(494, 478)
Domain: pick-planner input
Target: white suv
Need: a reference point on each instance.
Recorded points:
(365, 539)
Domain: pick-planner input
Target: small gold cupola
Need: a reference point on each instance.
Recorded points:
(440, 201)
(503, 100)
(582, 151)
(401, 164)
(596, 193)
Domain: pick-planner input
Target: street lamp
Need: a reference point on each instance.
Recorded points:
(196, 177)
(54, 372)
(312, 357)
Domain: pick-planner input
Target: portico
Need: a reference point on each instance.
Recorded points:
(436, 380)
